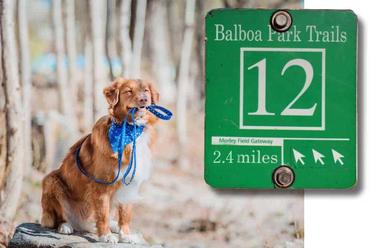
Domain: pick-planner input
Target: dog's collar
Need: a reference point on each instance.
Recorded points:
(119, 135)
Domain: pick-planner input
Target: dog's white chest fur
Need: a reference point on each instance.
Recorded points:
(130, 193)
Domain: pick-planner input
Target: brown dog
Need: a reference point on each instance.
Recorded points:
(70, 200)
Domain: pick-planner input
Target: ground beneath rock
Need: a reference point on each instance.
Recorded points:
(178, 209)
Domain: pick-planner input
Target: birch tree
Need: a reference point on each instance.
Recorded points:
(175, 9)
(71, 48)
(126, 46)
(25, 80)
(97, 36)
(2, 122)
(109, 35)
(183, 77)
(88, 83)
(140, 16)
(65, 103)
(13, 110)
(88, 113)
(200, 48)
(160, 50)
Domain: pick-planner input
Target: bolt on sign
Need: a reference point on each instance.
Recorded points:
(281, 98)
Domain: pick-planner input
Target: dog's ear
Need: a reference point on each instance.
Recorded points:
(155, 96)
(112, 94)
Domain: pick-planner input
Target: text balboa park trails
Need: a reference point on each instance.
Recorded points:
(310, 33)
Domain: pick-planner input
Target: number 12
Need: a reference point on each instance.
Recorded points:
(288, 111)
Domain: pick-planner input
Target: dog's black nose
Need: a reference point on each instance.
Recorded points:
(143, 100)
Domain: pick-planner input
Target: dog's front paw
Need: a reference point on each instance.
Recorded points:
(65, 228)
(109, 238)
(131, 238)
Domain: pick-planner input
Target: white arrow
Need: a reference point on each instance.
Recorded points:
(318, 157)
(298, 156)
(337, 157)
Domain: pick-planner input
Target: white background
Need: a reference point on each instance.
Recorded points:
(343, 219)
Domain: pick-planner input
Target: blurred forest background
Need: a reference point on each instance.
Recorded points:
(57, 55)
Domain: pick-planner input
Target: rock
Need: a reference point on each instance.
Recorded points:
(199, 225)
(32, 235)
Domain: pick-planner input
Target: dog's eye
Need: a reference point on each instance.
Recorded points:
(146, 90)
(128, 92)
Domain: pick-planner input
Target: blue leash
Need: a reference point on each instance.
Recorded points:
(133, 157)
(125, 137)
(165, 115)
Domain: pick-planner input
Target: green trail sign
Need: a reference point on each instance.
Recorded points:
(278, 97)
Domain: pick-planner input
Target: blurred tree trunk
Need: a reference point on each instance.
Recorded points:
(65, 103)
(14, 112)
(87, 91)
(196, 78)
(3, 139)
(200, 51)
(183, 77)
(96, 20)
(71, 48)
(239, 3)
(88, 114)
(175, 9)
(25, 72)
(126, 46)
(140, 16)
(160, 49)
(109, 35)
